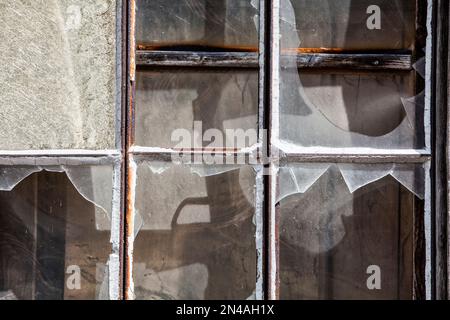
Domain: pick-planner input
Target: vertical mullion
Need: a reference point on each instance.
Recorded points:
(259, 237)
(440, 119)
(121, 144)
(429, 214)
(273, 214)
(129, 172)
(260, 179)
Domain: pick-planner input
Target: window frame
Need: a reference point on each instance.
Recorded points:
(435, 154)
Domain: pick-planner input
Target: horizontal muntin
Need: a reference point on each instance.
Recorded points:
(250, 60)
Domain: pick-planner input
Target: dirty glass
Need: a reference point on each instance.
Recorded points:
(347, 230)
(207, 103)
(349, 108)
(195, 232)
(58, 74)
(348, 25)
(193, 24)
(55, 231)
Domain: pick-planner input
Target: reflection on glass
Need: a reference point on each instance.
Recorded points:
(54, 243)
(195, 232)
(351, 110)
(349, 24)
(167, 101)
(341, 221)
(190, 24)
(337, 109)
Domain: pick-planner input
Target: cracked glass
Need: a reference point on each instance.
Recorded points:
(339, 221)
(377, 109)
(195, 232)
(55, 232)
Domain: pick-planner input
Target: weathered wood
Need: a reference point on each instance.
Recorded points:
(197, 59)
(370, 61)
(419, 251)
(355, 158)
(440, 163)
(354, 61)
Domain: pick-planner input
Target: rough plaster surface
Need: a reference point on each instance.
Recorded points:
(57, 74)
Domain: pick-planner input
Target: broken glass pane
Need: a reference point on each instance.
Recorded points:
(350, 25)
(353, 108)
(194, 24)
(342, 109)
(173, 106)
(55, 232)
(57, 74)
(347, 230)
(195, 232)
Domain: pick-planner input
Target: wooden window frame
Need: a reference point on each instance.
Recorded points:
(436, 222)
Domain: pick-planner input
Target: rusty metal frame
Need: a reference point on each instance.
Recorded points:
(129, 179)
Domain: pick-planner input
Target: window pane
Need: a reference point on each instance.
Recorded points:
(195, 232)
(57, 74)
(55, 232)
(347, 25)
(191, 24)
(341, 224)
(170, 104)
(343, 109)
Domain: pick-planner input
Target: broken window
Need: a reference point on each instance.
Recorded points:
(56, 231)
(60, 170)
(188, 221)
(217, 149)
(338, 198)
(350, 131)
(332, 108)
(338, 221)
(196, 84)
